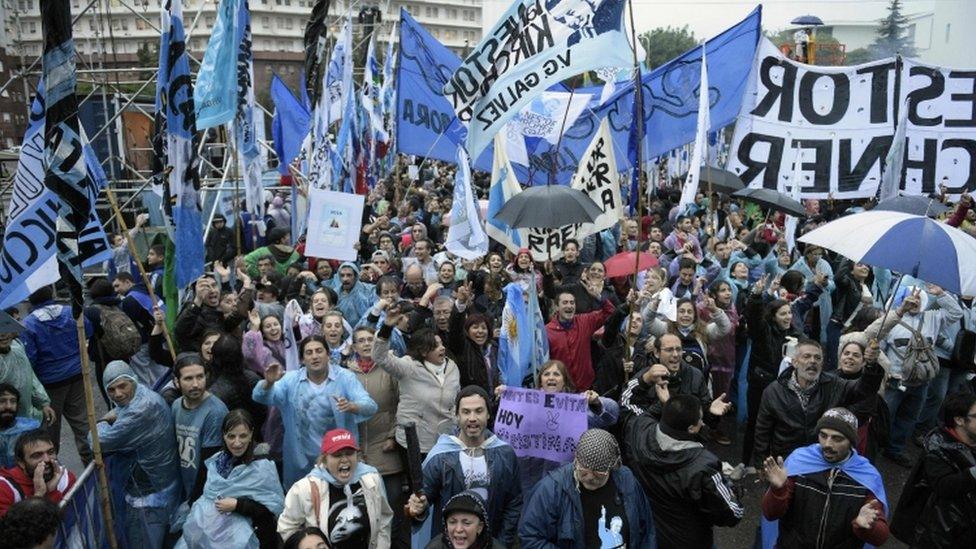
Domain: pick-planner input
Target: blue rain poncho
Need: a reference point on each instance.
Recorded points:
(357, 301)
(206, 527)
(144, 432)
(308, 414)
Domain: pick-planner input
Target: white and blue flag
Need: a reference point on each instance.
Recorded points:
(466, 236)
(535, 44)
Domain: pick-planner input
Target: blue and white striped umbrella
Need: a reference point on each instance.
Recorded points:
(904, 243)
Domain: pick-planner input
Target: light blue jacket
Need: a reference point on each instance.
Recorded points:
(307, 415)
(825, 301)
(9, 436)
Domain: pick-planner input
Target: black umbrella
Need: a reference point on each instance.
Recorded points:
(718, 180)
(916, 205)
(773, 200)
(807, 21)
(548, 206)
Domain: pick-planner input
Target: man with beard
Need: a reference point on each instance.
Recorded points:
(825, 494)
(16, 370)
(355, 296)
(198, 416)
(11, 426)
(472, 459)
(141, 426)
(36, 474)
(938, 504)
(801, 393)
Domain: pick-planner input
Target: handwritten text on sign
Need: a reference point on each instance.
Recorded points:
(539, 424)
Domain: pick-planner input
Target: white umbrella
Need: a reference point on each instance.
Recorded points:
(908, 244)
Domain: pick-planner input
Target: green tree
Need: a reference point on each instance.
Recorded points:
(892, 34)
(665, 43)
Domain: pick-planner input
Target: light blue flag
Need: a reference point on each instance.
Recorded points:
(515, 344)
(534, 45)
(174, 98)
(503, 187)
(29, 260)
(345, 171)
(249, 119)
(215, 95)
(466, 236)
(540, 338)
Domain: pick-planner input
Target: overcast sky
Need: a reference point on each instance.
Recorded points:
(709, 17)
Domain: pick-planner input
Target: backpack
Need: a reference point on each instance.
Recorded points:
(120, 338)
(964, 348)
(919, 364)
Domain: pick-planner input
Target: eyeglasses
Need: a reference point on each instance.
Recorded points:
(598, 474)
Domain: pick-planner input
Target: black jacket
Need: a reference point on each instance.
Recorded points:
(847, 293)
(470, 358)
(684, 482)
(783, 424)
(221, 245)
(640, 398)
(821, 510)
(609, 355)
(767, 342)
(938, 506)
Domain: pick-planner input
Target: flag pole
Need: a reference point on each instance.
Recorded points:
(641, 180)
(93, 428)
(138, 262)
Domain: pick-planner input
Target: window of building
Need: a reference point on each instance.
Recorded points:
(280, 22)
(210, 21)
(287, 2)
(6, 117)
(266, 22)
(431, 11)
(32, 27)
(140, 24)
(289, 23)
(452, 13)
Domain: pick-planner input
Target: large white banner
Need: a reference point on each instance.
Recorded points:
(334, 222)
(597, 176)
(941, 135)
(534, 44)
(843, 119)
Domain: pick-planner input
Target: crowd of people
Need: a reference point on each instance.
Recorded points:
(280, 411)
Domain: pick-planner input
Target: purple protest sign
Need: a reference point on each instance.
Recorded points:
(539, 424)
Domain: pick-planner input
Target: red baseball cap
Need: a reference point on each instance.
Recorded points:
(338, 439)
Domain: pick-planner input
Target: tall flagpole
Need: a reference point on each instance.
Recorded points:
(641, 179)
(142, 269)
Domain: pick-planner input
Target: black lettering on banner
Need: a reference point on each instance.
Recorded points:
(509, 417)
(784, 92)
(841, 98)
(879, 90)
(933, 90)
(968, 145)
(969, 97)
(927, 164)
(607, 202)
(768, 166)
(850, 177)
(821, 164)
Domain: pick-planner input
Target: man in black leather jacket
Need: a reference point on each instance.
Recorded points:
(791, 405)
(938, 506)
